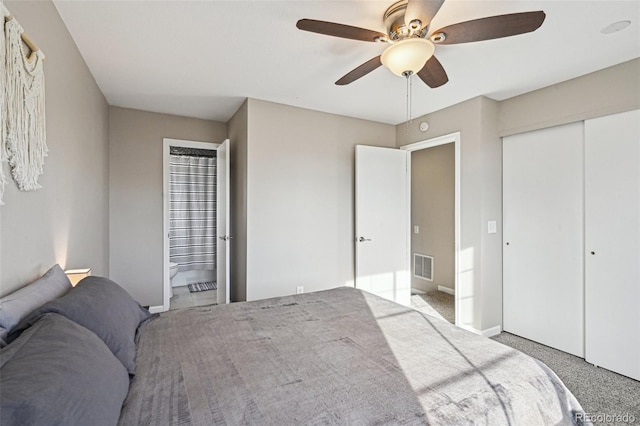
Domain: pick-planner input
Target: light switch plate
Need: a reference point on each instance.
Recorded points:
(416, 229)
(492, 227)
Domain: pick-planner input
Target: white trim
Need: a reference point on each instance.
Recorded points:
(447, 290)
(430, 143)
(166, 144)
(408, 222)
(492, 331)
(488, 332)
(156, 309)
(191, 144)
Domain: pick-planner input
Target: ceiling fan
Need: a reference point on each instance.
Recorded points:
(412, 43)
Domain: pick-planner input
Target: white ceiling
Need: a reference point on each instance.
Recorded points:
(203, 58)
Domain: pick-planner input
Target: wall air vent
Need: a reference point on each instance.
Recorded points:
(423, 266)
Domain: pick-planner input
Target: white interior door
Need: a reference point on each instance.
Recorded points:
(543, 282)
(222, 222)
(382, 223)
(612, 224)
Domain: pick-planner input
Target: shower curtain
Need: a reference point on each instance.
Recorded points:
(192, 210)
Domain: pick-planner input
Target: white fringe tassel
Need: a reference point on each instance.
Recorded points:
(3, 116)
(25, 136)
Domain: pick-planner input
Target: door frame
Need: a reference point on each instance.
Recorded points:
(430, 143)
(166, 144)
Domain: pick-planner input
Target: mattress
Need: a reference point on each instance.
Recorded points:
(341, 356)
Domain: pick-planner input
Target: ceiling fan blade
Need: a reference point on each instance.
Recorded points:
(424, 10)
(492, 27)
(339, 30)
(360, 71)
(433, 74)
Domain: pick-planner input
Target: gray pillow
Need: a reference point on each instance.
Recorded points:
(103, 307)
(17, 305)
(60, 373)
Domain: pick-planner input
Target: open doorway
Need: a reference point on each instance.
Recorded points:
(435, 230)
(195, 231)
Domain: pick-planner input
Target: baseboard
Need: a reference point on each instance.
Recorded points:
(493, 331)
(446, 290)
(489, 332)
(156, 309)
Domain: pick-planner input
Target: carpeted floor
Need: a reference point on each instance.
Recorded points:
(435, 303)
(599, 391)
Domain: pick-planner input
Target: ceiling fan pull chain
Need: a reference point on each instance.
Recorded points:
(410, 97)
(408, 75)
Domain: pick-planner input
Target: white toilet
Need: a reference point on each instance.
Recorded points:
(173, 270)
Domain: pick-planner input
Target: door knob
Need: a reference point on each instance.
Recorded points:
(363, 239)
(225, 237)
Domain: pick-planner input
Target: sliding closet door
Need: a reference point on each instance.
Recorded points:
(543, 236)
(612, 190)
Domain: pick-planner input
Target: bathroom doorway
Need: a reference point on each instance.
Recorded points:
(195, 229)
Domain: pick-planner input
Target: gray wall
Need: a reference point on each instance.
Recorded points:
(300, 195)
(490, 173)
(66, 221)
(238, 137)
(135, 188)
(609, 91)
(433, 210)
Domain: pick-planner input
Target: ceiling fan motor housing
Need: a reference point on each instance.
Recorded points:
(395, 23)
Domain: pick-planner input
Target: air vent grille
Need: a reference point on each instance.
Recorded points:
(423, 266)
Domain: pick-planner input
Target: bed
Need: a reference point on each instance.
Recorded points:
(340, 356)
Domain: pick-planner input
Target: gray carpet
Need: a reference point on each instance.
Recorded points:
(435, 303)
(599, 391)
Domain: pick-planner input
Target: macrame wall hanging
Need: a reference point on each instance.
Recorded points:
(22, 108)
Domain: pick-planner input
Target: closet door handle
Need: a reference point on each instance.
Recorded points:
(363, 239)
(226, 238)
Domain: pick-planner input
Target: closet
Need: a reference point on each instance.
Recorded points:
(612, 242)
(571, 218)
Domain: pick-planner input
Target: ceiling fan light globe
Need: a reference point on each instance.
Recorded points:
(408, 55)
